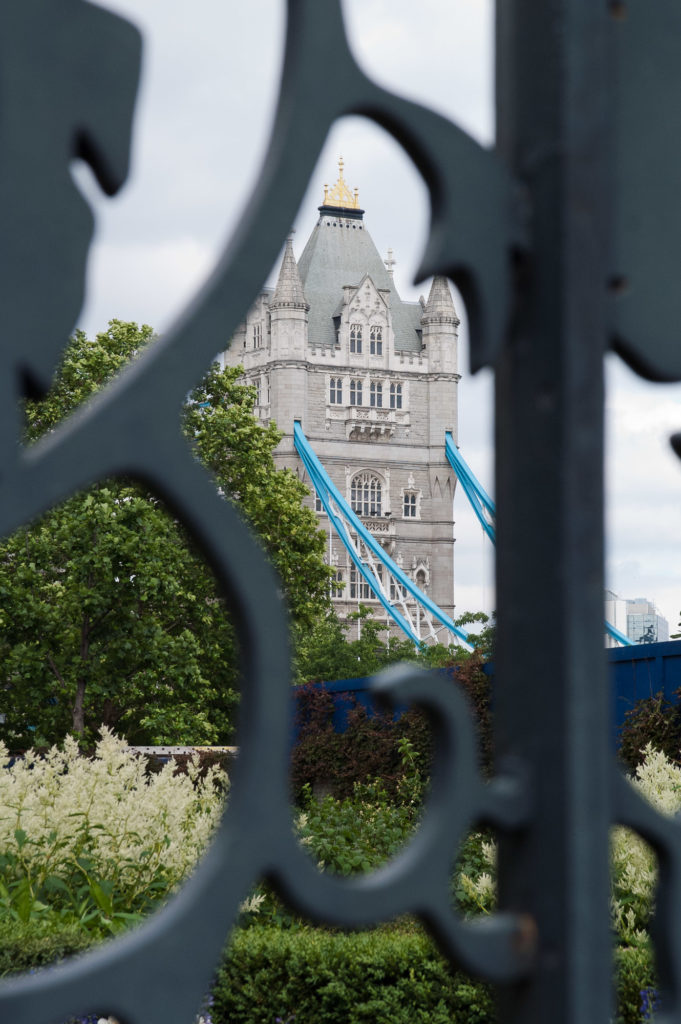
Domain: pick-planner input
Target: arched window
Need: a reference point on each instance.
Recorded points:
(355, 338)
(336, 391)
(355, 392)
(375, 340)
(366, 495)
(395, 396)
(421, 581)
(376, 394)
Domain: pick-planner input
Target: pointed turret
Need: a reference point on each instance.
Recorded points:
(289, 291)
(288, 341)
(439, 324)
(440, 306)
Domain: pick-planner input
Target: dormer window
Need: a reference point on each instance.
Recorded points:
(376, 340)
(356, 340)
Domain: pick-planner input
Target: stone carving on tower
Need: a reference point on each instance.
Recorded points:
(373, 380)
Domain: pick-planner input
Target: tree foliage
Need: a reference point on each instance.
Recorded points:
(107, 614)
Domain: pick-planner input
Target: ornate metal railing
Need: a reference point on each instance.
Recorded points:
(564, 241)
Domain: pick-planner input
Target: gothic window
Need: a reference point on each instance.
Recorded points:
(420, 580)
(376, 340)
(366, 495)
(268, 389)
(359, 588)
(356, 338)
(337, 583)
(409, 508)
(395, 396)
(256, 385)
(257, 335)
(397, 591)
(355, 392)
(318, 507)
(336, 391)
(376, 394)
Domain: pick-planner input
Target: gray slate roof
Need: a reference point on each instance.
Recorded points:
(342, 255)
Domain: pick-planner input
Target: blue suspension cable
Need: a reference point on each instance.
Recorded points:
(327, 492)
(485, 510)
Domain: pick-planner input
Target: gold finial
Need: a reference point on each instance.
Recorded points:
(340, 194)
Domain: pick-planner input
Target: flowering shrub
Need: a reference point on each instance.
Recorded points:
(98, 840)
(634, 865)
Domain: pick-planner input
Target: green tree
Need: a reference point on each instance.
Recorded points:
(107, 614)
(328, 652)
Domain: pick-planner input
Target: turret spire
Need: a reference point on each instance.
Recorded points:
(440, 305)
(289, 291)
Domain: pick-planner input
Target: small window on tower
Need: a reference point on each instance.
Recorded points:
(376, 395)
(376, 340)
(257, 335)
(395, 396)
(256, 385)
(355, 392)
(356, 338)
(410, 507)
(336, 391)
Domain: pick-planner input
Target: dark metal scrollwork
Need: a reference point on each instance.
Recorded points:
(548, 245)
(82, 106)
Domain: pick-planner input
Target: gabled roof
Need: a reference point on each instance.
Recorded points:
(340, 251)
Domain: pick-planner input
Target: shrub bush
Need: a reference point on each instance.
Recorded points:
(321, 977)
(369, 747)
(32, 944)
(653, 721)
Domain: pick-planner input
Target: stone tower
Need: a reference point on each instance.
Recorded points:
(374, 381)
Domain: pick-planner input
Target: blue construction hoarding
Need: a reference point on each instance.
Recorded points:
(636, 672)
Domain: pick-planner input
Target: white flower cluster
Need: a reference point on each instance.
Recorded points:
(128, 824)
(634, 865)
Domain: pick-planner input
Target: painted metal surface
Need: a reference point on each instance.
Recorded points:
(413, 611)
(560, 246)
(478, 498)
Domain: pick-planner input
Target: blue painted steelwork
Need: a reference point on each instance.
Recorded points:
(485, 511)
(478, 498)
(345, 523)
(617, 635)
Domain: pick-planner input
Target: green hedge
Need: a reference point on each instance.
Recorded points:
(325, 977)
(322, 977)
(24, 946)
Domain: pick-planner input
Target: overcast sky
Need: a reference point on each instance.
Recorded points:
(210, 78)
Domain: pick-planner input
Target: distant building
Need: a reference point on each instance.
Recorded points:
(638, 619)
(645, 625)
(373, 381)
